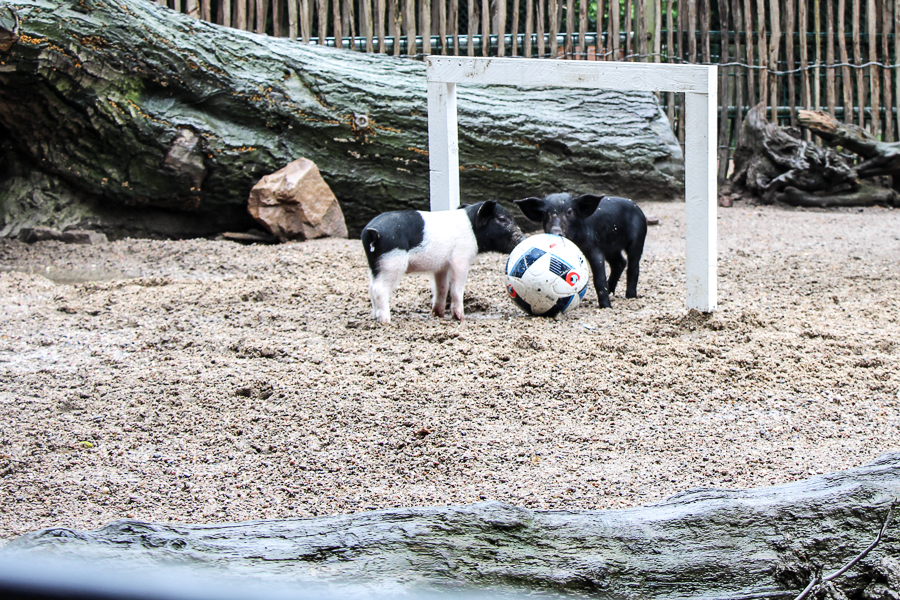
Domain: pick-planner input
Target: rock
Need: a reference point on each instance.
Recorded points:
(83, 236)
(249, 237)
(30, 235)
(296, 203)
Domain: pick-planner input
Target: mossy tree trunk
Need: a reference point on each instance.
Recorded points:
(138, 106)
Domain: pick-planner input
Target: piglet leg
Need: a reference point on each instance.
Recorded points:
(598, 270)
(616, 266)
(634, 269)
(382, 286)
(458, 275)
(439, 287)
(380, 289)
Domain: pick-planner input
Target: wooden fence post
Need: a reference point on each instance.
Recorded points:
(857, 58)
(874, 83)
(485, 27)
(774, 47)
(846, 84)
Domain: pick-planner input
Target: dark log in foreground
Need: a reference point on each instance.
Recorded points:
(758, 543)
(868, 194)
(775, 164)
(142, 107)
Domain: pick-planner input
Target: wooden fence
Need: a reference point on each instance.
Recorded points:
(836, 55)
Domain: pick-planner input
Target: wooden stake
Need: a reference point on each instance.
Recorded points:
(789, 56)
(425, 21)
(485, 27)
(553, 15)
(529, 26)
(540, 28)
(763, 52)
(803, 29)
(846, 83)
(858, 59)
(874, 72)
(751, 75)
(582, 30)
(336, 29)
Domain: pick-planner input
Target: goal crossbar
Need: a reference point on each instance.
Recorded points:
(697, 82)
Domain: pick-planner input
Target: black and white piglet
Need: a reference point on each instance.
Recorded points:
(602, 227)
(443, 243)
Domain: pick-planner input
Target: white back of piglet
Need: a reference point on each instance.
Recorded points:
(448, 240)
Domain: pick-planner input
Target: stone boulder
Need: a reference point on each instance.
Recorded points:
(30, 235)
(295, 203)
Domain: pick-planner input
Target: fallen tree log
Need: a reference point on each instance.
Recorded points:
(128, 109)
(710, 543)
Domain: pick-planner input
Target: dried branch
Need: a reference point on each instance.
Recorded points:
(818, 579)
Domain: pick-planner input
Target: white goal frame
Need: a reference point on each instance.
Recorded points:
(698, 82)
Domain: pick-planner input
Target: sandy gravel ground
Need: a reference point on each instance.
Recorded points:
(205, 381)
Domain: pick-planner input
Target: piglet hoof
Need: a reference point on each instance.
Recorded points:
(458, 315)
(605, 303)
(437, 311)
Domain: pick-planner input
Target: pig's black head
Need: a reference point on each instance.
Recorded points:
(494, 228)
(558, 213)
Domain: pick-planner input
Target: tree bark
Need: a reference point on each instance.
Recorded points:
(708, 543)
(130, 103)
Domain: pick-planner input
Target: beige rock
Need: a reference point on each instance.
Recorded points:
(83, 236)
(296, 203)
(29, 235)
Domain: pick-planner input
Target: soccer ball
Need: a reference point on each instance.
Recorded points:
(547, 275)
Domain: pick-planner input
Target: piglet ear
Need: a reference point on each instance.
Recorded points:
(485, 213)
(586, 205)
(532, 208)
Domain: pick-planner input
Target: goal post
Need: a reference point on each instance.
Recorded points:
(697, 82)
